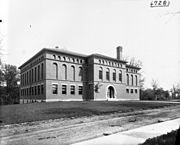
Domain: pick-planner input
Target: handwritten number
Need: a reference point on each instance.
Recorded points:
(160, 3)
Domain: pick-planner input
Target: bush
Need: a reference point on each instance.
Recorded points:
(167, 139)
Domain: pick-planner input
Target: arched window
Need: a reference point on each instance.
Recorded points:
(114, 75)
(132, 81)
(54, 56)
(42, 71)
(81, 73)
(55, 70)
(107, 74)
(35, 74)
(32, 75)
(73, 59)
(136, 80)
(77, 60)
(73, 72)
(127, 79)
(64, 58)
(64, 72)
(120, 76)
(38, 72)
(100, 73)
(59, 57)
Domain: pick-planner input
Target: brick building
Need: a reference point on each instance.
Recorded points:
(58, 75)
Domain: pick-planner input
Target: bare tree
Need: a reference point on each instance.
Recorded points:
(155, 85)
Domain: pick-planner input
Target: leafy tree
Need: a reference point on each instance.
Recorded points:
(10, 92)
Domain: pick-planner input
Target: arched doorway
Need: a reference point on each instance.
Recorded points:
(110, 92)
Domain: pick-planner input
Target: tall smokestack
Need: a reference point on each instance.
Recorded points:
(119, 52)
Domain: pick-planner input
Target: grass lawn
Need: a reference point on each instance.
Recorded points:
(10, 114)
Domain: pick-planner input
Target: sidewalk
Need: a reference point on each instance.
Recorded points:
(135, 136)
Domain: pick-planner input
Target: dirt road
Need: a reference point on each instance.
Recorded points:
(67, 131)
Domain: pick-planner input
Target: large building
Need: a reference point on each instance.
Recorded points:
(60, 75)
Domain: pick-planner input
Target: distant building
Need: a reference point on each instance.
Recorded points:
(59, 75)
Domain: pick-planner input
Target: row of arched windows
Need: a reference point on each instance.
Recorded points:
(65, 58)
(131, 70)
(116, 64)
(132, 80)
(108, 74)
(33, 75)
(64, 72)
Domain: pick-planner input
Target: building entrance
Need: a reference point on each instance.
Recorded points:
(110, 93)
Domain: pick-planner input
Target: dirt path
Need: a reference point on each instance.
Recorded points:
(67, 131)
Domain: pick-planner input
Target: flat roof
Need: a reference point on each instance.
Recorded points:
(55, 50)
(107, 57)
(67, 52)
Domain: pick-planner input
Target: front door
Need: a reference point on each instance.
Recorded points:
(110, 93)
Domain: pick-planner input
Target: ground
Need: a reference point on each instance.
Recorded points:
(70, 122)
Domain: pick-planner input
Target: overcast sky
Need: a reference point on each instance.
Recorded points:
(151, 35)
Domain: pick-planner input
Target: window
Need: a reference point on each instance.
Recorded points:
(127, 79)
(55, 71)
(38, 72)
(38, 90)
(35, 74)
(32, 91)
(59, 57)
(136, 91)
(107, 74)
(132, 80)
(77, 60)
(54, 88)
(29, 76)
(54, 56)
(64, 89)
(24, 78)
(114, 75)
(32, 75)
(72, 91)
(64, 58)
(42, 69)
(136, 80)
(127, 90)
(64, 72)
(120, 76)
(42, 89)
(35, 90)
(81, 73)
(100, 73)
(80, 90)
(131, 91)
(73, 72)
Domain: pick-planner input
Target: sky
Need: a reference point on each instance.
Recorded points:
(151, 35)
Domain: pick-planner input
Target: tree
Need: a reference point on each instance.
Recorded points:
(175, 90)
(10, 75)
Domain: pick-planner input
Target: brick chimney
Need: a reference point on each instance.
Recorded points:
(119, 52)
